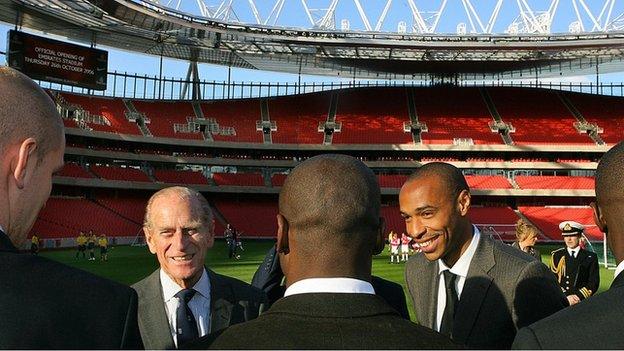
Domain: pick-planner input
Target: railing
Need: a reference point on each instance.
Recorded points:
(123, 85)
(134, 86)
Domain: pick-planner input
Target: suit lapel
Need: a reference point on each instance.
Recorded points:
(475, 289)
(433, 280)
(220, 306)
(157, 331)
(618, 281)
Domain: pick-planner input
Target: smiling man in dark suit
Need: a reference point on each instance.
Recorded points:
(183, 300)
(465, 285)
(598, 320)
(328, 231)
(42, 303)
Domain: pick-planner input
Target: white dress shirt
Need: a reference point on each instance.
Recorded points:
(574, 252)
(330, 285)
(618, 269)
(460, 269)
(199, 304)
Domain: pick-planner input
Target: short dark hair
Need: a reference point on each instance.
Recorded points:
(330, 198)
(452, 177)
(610, 174)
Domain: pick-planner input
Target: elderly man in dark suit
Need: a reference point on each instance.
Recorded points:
(328, 231)
(183, 300)
(465, 285)
(42, 303)
(597, 321)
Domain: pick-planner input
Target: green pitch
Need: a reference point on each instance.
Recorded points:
(128, 265)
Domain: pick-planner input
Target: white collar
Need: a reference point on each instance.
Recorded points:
(170, 288)
(618, 269)
(460, 268)
(2, 229)
(575, 250)
(330, 285)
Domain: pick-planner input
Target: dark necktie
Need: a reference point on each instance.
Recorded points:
(446, 326)
(185, 321)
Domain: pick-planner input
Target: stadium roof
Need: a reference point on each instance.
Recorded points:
(149, 28)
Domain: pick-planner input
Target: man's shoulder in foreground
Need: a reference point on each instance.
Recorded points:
(239, 288)
(39, 295)
(329, 320)
(594, 323)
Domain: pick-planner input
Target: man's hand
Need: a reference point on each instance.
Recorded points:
(573, 299)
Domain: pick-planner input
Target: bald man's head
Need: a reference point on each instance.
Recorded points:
(330, 201)
(26, 111)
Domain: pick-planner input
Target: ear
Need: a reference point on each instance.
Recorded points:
(25, 157)
(598, 217)
(282, 235)
(380, 240)
(463, 202)
(149, 239)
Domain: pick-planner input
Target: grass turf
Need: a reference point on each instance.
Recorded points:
(128, 265)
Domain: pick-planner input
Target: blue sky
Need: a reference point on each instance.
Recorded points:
(294, 16)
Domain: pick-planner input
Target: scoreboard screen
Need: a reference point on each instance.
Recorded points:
(56, 61)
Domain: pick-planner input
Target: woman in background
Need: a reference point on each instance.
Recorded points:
(526, 237)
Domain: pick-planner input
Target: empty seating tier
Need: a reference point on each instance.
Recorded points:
(252, 218)
(241, 115)
(487, 182)
(372, 116)
(548, 218)
(180, 177)
(278, 179)
(54, 221)
(112, 109)
(496, 221)
(163, 116)
(605, 111)
(119, 173)
(538, 116)
(238, 179)
(555, 182)
(298, 117)
(74, 170)
(454, 113)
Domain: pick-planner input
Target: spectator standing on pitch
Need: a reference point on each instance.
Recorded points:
(597, 322)
(42, 302)
(183, 300)
(34, 244)
(466, 285)
(230, 240)
(329, 228)
(91, 240)
(405, 241)
(103, 244)
(576, 268)
(395, 242)
(81, 241)
(526, 237)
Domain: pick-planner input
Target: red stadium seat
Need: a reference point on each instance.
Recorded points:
(548, 218)
(555, 182)
(538, 115)
(119, 173)
(240, 179)
(180, 177)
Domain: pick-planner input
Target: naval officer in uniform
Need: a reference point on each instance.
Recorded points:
(576, 268)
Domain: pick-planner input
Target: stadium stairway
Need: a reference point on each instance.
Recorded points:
(579, 117)
(330, 126)
(504, 128)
